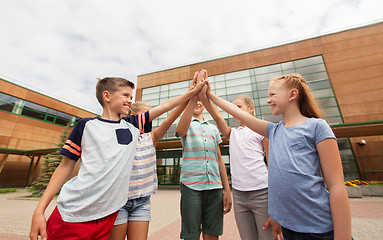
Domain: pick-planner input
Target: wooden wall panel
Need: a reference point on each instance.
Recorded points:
(18, 132)
(347, 34)
(138, 96)
(369, 155)
(346, 54)
(12, 89)
(369, 117)
(14, 173)
(83, 113)
(358, 74)
(27, 134)
(356, 87)
(4, 141)
(374, 95)
(50, 102)
(353, 42)
(355, 63)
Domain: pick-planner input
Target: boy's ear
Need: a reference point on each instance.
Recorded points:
(293, 94)
(106, 96)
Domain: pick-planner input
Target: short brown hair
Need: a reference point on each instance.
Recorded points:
(110, 84)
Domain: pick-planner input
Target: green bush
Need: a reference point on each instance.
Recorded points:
(7, 190)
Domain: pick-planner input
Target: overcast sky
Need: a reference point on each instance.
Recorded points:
(60, 48)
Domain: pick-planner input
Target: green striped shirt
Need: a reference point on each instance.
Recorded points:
(200, 167)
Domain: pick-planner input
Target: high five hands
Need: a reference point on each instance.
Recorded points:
(200, 80)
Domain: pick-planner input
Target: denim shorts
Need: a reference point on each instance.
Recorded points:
(291, 235)
(134, 210)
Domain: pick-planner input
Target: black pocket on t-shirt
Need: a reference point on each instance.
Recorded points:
(124, 136)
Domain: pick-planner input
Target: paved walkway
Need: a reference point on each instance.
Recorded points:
(16, 212)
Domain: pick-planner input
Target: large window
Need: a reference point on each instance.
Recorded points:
(254, 83)
(19, 106)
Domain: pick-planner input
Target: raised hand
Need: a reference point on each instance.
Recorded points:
(202, 93)
(202, 75)
(201, 81)
(208, 88)
(194, 81)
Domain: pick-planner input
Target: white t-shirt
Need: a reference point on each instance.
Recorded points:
(247, 167)
(107, 150)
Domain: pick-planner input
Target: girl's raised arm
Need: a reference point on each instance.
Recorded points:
(159, 132)
(221, 123)
(257, 125)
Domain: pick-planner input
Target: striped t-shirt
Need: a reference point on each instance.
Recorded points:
(200, 167)
(143, 178)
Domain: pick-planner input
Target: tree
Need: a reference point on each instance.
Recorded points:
(51, 162)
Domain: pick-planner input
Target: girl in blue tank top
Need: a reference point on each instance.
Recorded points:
(302, 153)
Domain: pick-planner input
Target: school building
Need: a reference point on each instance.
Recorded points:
(30, 126)
(344, 70)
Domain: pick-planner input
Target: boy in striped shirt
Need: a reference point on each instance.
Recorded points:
(203, 175)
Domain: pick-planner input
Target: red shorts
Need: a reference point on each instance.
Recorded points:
(97, 229)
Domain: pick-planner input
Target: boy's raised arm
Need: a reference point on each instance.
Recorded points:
(184, 123)
(195, 87)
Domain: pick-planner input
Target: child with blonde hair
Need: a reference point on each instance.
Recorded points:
(248, 171)
(300, 146)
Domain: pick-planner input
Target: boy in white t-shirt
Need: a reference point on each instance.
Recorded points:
(88, 204)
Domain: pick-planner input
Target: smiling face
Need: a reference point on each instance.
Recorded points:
(120, 100)
(198, 109)
(279, 97)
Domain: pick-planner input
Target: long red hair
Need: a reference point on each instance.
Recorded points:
(307, 103)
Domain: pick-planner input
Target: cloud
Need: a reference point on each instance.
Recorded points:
(62, 47)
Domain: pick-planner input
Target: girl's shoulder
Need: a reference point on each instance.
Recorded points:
(246, 133)
(317, 122)
(145, 137)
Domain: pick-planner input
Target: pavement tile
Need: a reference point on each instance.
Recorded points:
(16, 211)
